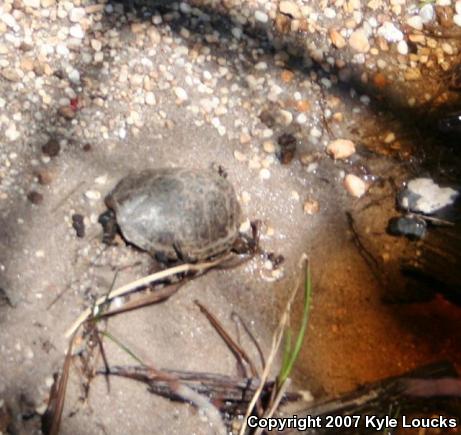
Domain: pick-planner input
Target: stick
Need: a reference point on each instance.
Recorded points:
(141, 282)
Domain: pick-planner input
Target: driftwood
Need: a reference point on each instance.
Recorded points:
(432, 388)
(229, 394)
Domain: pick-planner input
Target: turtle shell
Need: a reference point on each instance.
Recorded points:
(177, 213)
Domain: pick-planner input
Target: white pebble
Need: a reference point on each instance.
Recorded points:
(264, 174)
(329, 13)
(261, 17)
(76, 31)
(416, 22)
(354, 185)
(76, 14)
(93, 195)
(149, 98)
(457, 19)
(402, 48)
(427, 13)
(390, 32)
(341, 149)
(181, 94)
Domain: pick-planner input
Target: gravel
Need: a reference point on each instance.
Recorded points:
(90, 92)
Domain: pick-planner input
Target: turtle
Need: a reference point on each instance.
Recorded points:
(175, 214)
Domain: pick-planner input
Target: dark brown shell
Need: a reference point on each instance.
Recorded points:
(177, 213)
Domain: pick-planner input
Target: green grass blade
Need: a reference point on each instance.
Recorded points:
(287, 367)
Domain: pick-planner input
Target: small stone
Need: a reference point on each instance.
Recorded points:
(32, 3)
(311, 207)
(341, 149)
(47, 3)
(264, 174)
(290, 8)
(12, 133)
(425, 196)
(181, 94)
(93, 195)
(11, 75)
(27, 63)
(76, 31)
(287, 75)
(416, 22)
(51, 148)
(154, 35)
(329, 13)
(337, 39)
(389, 138)
(412, 74)
(359, 41)
(402, 48)
(269, 147)
(67, 112)
(96, 45)
(354, 185)
(261, 17)
(427, 13)
(76, 15)
(35, 197)
(137, 27)
(390, 32)
(287, 143)
(285, 117)
(78, 223)
(239, 156)
(9, 20)
(44, 176)
(457, 19)
(150, 98)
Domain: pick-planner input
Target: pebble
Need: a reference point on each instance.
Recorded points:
(76, 31)
(181, 94)
(269, 147)
(412, 74)
(359, 41)
(457, 19)
(76, 15)
(390, 32)
(261, 16)
(12, 133)
(427, 13)
(35, 197)
(416, 22)
(51, 148)
(402, 48)
(337, 39)
(425, 196)
(311, 207)
(290, 8)
(239, 156)
(354, 185)
(11, 75)
(341, 149)
(150, 98)
(264, 174)
(93, 195)
(32, 3)
(96, 45)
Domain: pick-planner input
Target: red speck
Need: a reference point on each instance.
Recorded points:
(74, 104)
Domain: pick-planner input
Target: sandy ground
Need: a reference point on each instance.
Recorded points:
(89, 93)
